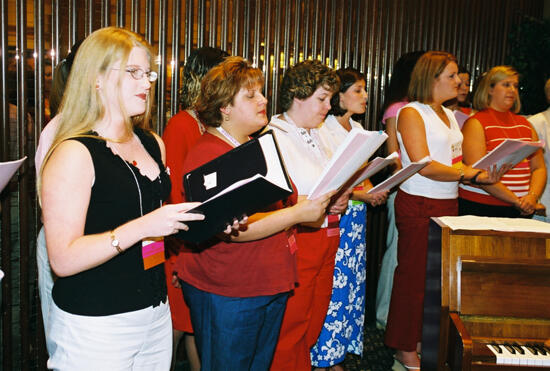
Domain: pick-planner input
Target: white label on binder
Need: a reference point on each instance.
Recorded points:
(210, 181)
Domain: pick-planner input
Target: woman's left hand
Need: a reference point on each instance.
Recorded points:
(377, 199)
(527, 204)
(230, 228)
(340, 205)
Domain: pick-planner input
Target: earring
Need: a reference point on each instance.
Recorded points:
(226, 117)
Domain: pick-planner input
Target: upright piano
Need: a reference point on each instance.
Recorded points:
(487, 302)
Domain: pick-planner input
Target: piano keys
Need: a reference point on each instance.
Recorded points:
(530, 354)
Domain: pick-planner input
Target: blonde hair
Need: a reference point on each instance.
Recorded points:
(482, 99)
(82, 105)
(547, 90)
(428, 68)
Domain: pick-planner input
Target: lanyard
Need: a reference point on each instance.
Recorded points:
(228, 136)
(138, 187)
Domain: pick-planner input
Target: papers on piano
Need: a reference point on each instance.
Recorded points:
(511, 151)
(353, 153)
(7, 169)
(470, 222)
(401, 175)
(523, 355)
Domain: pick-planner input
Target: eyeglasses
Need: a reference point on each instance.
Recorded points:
(137, 73)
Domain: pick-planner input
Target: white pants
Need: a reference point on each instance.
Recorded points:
(45, 279)
(139, 340)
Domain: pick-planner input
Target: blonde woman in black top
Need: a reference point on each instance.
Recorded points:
(103, 184)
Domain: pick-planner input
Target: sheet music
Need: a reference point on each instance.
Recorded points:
(7, 169)
(470, 222)
(511, 151)
(354, 151)
(375, 166)
(401, 175)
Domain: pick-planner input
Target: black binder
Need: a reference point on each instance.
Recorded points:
(257, 173)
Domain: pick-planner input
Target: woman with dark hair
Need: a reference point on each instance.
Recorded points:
(461, 105)
(497, 102)
(342, 331)
(237, 286)
(182, 132)
(396, 98)
(425, 128)
(463, 100)
(306, 91)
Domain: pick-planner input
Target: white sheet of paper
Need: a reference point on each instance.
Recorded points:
(401, 175)
(7, 169)
(476, 223)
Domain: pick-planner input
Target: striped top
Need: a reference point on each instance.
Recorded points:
(499, 126)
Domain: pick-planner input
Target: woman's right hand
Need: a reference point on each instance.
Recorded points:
(312, 210)
(169, 219)
(486, 177)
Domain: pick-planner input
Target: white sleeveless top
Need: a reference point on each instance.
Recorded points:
(445, 146)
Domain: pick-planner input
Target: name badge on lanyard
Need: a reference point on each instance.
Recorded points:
(152, 252)
(456, 154)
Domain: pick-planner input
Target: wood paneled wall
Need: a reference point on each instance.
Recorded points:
(274, 34)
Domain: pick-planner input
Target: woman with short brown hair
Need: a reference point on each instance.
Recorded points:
(237, 286)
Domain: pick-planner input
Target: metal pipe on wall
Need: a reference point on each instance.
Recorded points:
(175, 65)
(161, 81)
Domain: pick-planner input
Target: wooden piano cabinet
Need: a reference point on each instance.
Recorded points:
(445, 250)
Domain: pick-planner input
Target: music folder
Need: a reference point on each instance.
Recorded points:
(402, 175)
(350, 156)
(510, 151)
(240, 182)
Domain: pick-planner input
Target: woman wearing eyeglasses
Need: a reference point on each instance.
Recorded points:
(103, 183)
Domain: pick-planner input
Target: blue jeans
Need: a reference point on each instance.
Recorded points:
(235, 333)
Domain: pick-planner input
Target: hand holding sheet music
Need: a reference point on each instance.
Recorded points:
(228, 192)
(374, 167)
(401, 175)
(510, 151)
(353, 153)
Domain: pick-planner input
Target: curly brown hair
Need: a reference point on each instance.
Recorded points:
(220, 86)
(302, 79)
(199, 62)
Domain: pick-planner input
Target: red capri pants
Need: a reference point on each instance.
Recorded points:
(412, 217)
(307, 306)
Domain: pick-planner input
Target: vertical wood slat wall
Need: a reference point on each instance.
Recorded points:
(274, 34)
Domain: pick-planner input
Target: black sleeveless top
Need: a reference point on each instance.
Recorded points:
(121, 284)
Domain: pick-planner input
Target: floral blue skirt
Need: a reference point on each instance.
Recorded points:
(342, 331)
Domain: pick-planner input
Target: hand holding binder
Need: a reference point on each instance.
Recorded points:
(228, 192)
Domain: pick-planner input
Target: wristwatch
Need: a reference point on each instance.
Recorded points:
(115, 242)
